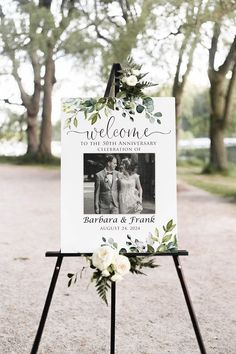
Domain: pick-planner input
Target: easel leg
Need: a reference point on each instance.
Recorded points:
(113, 317)
(189, 304)
(47, 305)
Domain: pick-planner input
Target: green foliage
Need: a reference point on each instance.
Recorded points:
(31, 160)
(134, 91)
(168, 243)
(102, 285)
(155, 243)
(92, 109)
(72, 278)
(129, 100)
(138, 263)
(13, 127)
(222, 184)
(124, 29)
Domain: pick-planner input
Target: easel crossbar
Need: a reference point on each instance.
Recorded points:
(144, 254)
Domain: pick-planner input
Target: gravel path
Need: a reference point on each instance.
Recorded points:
(151, 314)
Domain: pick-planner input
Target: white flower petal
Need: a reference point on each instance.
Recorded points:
(116, 277)
(131, 80)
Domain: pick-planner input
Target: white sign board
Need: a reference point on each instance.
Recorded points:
(118, 170)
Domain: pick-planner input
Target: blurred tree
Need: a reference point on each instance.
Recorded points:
(34, 34)
(221, 97)
(195, 111)
(13, 126)
(118, 24)
(46, 30)
(190, 30)
(13, 46)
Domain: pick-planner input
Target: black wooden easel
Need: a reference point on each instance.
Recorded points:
(59, 255)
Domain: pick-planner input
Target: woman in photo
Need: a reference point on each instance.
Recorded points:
(130, 189)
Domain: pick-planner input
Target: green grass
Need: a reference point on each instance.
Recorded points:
(221, 184)
(28, 160)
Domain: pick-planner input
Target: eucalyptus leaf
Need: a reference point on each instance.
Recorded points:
(150, 249)
(121, 94)
(169, 224)
(150, 108)
(157, 233)
(111, 103)
(102, 100)
(88, 103)
(107, 111)
(75, 122)
(175, 240)
(166, 238)
(151, 119)
(134, 249)
(90, 109)
(93, 118)
(99, 106)
(162, 248)
(139, 108)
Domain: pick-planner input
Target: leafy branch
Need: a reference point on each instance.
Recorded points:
(104, 273)
(129, 101)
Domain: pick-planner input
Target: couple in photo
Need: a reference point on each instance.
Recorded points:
(117, 192)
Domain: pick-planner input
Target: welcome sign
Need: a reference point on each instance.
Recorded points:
(118, 172)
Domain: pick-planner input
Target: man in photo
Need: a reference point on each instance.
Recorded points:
(106, 188)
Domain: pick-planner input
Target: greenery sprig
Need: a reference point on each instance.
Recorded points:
(131, 81)
(129, 101)
(109, 264)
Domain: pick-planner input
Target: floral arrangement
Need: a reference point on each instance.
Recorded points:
(110, 264)
(130, 100)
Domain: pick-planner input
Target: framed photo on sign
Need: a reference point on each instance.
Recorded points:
(118, 170)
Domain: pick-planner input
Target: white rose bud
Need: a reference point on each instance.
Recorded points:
(105, 273)
(102, 257)
(116, 277)
(124, 79)
(135, 72)
(131, 80)
(121, 264)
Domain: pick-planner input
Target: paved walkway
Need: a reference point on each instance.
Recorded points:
(151, 314)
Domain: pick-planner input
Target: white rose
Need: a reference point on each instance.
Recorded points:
(121, 264)
(105, 273)
(131, 80)
(135, 72)
(102, 257)
(116, 277)
(124, 79)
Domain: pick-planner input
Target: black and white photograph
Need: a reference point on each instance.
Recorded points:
(119, 183)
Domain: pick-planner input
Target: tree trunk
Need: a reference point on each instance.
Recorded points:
(178, 99)
(221, 95)
(32, 134)
(44, 150)
(218, 153)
